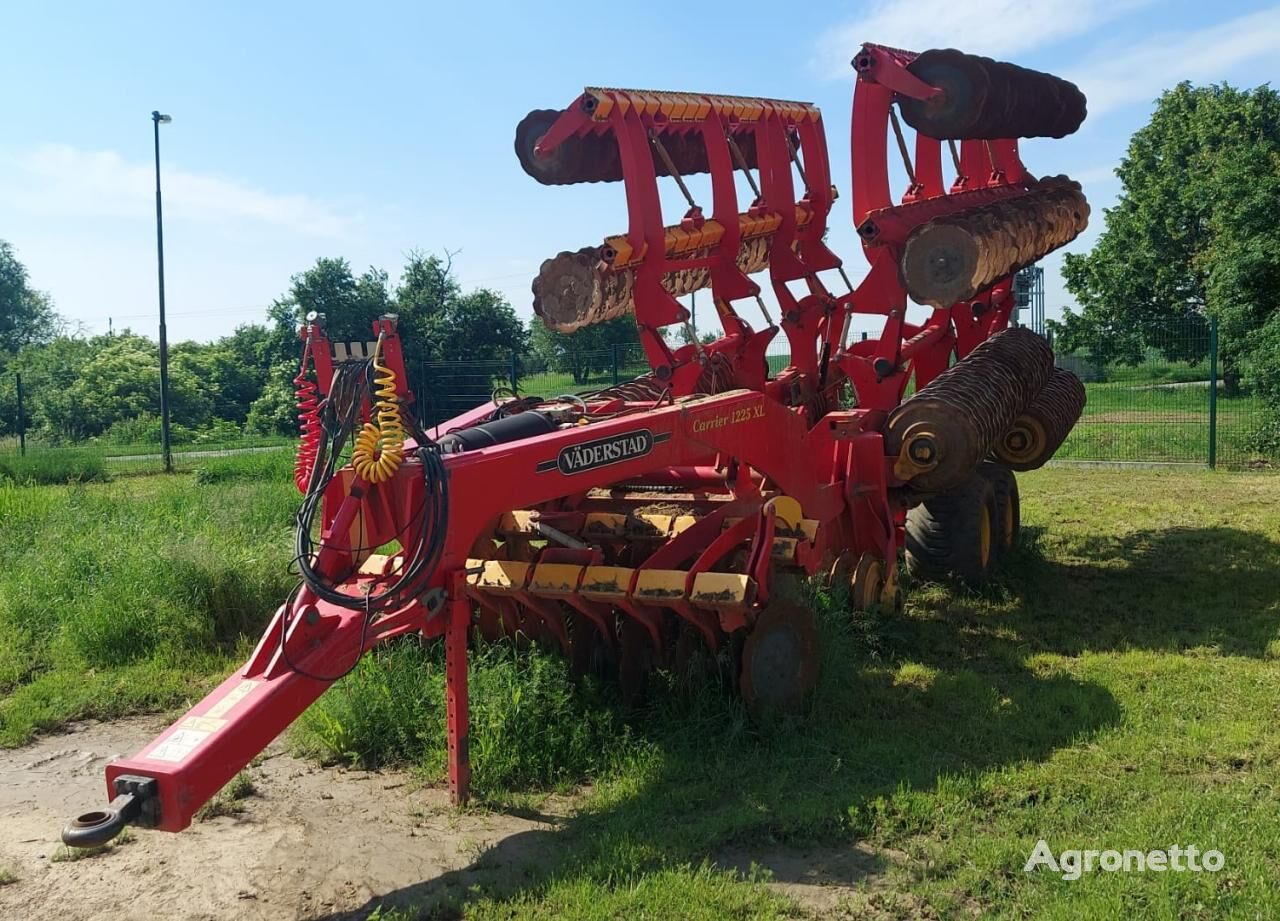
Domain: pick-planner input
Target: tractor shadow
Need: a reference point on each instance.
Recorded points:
(904, 702)
(794, 799)
(1163, 590)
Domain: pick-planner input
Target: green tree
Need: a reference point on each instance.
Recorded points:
(437, 321)
(349, 304)
(48, 373)
(119, 379)
(274, 412)
(231, 383)
(26, 315)
(440, 323)
(1195, 234)
(586, 352)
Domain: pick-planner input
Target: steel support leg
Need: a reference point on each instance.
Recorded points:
(455, 667)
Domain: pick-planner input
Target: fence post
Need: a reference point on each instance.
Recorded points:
(614, 349)
(22, 420)
(1213, 392)
(515, 373)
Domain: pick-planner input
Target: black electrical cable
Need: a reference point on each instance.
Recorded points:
(285, 620)
(340, 414)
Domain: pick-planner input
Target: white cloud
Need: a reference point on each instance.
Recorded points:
(1139, 72)
(64, 180)
(999, 28)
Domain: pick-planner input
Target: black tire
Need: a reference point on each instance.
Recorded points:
(951, 534)
(1008, 520)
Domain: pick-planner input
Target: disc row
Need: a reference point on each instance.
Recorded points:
(982, 98)
(596, 158)
(952, 258)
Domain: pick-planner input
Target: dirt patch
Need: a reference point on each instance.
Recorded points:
(311, 842)
(327, 843)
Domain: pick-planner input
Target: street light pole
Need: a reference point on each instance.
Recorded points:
(157, 120)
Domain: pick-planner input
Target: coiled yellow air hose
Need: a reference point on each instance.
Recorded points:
(379, 448)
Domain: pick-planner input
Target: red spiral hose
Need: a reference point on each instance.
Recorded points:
(308, 403)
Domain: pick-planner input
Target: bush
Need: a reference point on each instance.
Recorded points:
(532, 726)
(1266, 440)
(275, 412)
(219, 431)
(64, 465)
(257, 465)
(144, 429)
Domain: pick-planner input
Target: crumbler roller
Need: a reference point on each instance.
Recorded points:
(1042, 428)
(597, 157)
(597, 283)
(941, 434)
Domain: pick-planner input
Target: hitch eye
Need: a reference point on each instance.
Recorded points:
(135, 803)
(93, 829)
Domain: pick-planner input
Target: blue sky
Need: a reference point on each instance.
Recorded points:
(365, 131)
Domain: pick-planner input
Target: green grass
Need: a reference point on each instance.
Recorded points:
(228, 800)
(1158, 370)
(532, 728)
(71, 465)
(90, 461)
(263, 466)
(66, 854)
(552, 383)
(7, 876)
(131, 595)
(1117, 688)
(237, 442)
(1145, 422)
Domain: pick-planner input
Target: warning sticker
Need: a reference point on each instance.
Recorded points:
(205, 723)
(179, 745)
(234, 696)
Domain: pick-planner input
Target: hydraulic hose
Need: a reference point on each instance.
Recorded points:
(379, 448)
(423, 535)
(309, 426)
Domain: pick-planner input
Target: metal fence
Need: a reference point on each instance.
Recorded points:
(31, 440)
(443, 389)
(1168, 401)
